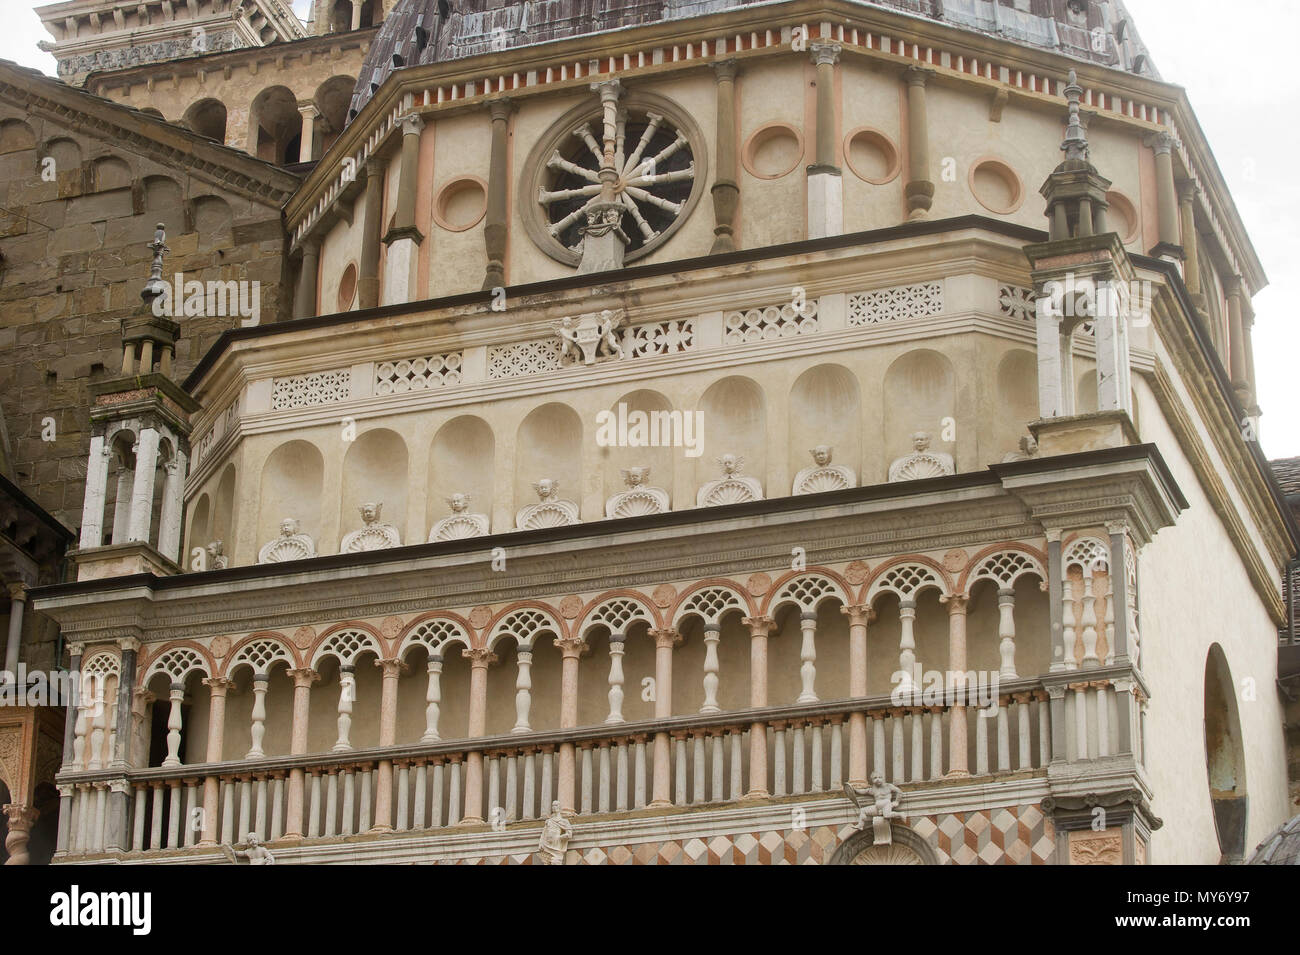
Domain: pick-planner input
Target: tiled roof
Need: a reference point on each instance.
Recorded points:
(1287, 472)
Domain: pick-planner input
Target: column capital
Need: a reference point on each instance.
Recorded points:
(412, 124)
(1232, 286)
(918, 75)
(957, 603)
(479, 657)
(1189, 190)
(759, 626)
(21, 817)
(501, 108)
(374, 170)
(304, 676)
(308, 107)
(572, 648)
(666, 638)
(1162, 143)
(76, 648)
(128, 644)
(18, 591)
(609, 90)
(219, 685)
(824, 54)
(392, 668)
(725, 69)
(859, 614)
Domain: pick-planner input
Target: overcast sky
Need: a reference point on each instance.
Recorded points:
(1241, 77)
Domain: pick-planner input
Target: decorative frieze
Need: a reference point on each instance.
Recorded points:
(315, 388)
(418, 374)
(519, 359)
(659, 338)
(770, 323)
(897, 303)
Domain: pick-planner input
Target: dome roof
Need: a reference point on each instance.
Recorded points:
(1282, 847)
(418, 32)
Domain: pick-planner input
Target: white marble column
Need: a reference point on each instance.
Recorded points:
(347, 694)
(432, 699)
(169, 521)
(523, 690)
(176, 695)
(146, 461)
(92, 513)
(615, 679)
(307, 146)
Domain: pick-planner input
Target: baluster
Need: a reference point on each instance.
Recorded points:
(277, 806)
(174, 815)
(261, 808)
(419, 814)
(98, 725)
(453, 791)
(621, 803)
(1044, 731)
(906, 645)
(896, 727)
(1081, 748)
(245, 805)
(432, 697)
(1004, 738)
(1067, 620)
(1007, 633)
(586, 778)
(1103, 722)
(347, 693)
(615, 679)
(494, 784)
(639, 788)
(191, 803)
(679, 746)
(332, 801)
(403, 797)
(436, 797)
(603, 783)
(74, 821)
(808, 658)
(258, 729)
(313, 817)
(1089, 620)
(878, 750)
(228, 792)
(918, 744)
(1022, 730)
(155, 820)
(137, 828)
(796, 745)
(530, 784)
(837, 755)
(523, 690)
(697, 784)
(981, 743)
(548, 761)
(1110, 619)
(715, 789)
(737, 742)
(512, 787)
(817, 731)
(349, 800)
(778, 759)
(936, 742)
(712, 633)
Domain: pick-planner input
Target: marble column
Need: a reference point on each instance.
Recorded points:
(371, 229)
(73, 708)
(216, 739)
(176, 696)
(120, 749)
(571, 650)
(1188, 192)
(173, 503)
(122, 508)
(920, 187)
(664, 640)
(1237, 341)
(401, 267)
(496, 228)
(1166, 194)
(92, 514)
(302, 680)
(304, 297)
(957, 764)
(480, 659)
(860, 617)
(21, 819)
(726, 188)
(306, 145)
(17, 602)
(825, 179)
(146, 461)
(392, 670)
(759, 630)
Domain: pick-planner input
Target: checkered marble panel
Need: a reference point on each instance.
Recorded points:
(1004, 836)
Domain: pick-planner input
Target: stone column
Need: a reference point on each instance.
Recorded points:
(404, 238)
(302, 681)
(496, 229)
(92, 514)
(21, 820)
(119, 792)
(174, 725)
(216, 740)
(664, 640)
(304, 296)
(73, 707)
(17, 602)
(146, 460)
(825, 181)
(920, 187)
(1237, 341)
(480, 659)
(957, 765)
(371, 229)
(860, 616)
(383, 821)
(356, 14)
(759, 630)
(1166, 195)
(726, 188)
(1188, 191)
(566, 790)
(307, 145)
(169, 520)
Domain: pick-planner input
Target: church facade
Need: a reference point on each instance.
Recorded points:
(690, 433)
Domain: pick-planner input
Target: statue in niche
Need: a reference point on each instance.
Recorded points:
(590, 337)
(556, 833)
(217, 560)
(549, 511)
(290, 545)
(879, 804)
(922, 462)
(460, 524)
(375, 535)
(253, 852)
(1028, 449)
(823, 475)
(639, 498)
(732, 487)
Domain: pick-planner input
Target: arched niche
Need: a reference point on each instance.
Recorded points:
(825, 408)
(1225, 760)
(549, 445)
(375, 470)
(647, 413)
(461, 462)
(331, 99)
(275, 125)
(920, 392)
(1085, 395)
(292, 479)
(213, 220)
(734, 422)
(65, 153)
(207, 117)
(1016, 401)
(162, 202)
(15, 136)
(224, 513)
(109, 173)
(200, 525)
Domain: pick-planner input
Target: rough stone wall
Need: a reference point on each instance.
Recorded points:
(77, 213)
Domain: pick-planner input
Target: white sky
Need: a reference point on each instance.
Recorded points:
(1237, 62)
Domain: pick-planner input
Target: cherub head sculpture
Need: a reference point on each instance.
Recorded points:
(731, 464)
(458, 503)
(547, 489)
(921, 441)
(215, 548)
(821, 455)
(635, 477)
(370, 512)
(289, 527)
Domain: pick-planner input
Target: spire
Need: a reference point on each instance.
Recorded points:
(1076, 142)
(155, 288)
(1075, 191)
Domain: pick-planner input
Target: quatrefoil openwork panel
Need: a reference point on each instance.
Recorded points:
(660, 166)
(435, 636)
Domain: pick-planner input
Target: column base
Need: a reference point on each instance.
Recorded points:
(825, 202)
(756, 794)
(660, 804)
(957, 774)
(471, 821)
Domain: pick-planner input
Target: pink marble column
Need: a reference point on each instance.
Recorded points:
(383, 820)
(859, 618)
(957, 765)
(664, 640)
(480, 659)
(216, 738)
(302, 681)
(759, 630)
(21, 820)
(566, 783)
